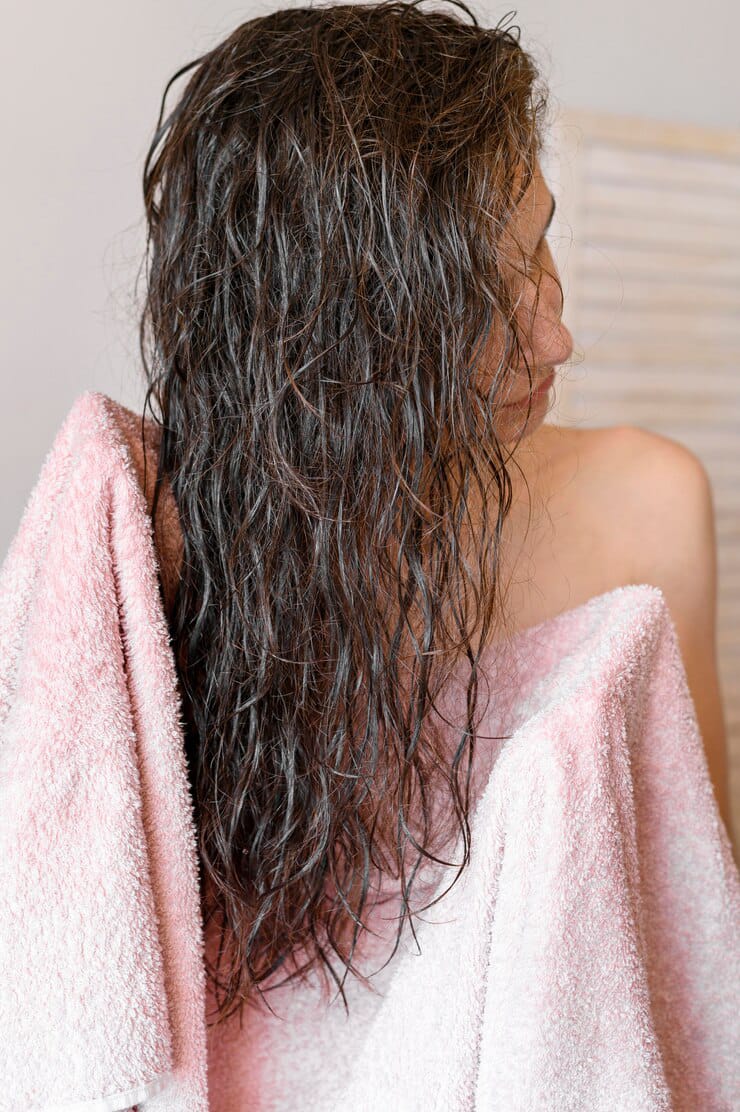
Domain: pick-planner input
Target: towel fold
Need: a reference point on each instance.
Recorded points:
(100, 928)
(587, 959)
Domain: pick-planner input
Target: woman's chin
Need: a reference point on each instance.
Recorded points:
(514, 424)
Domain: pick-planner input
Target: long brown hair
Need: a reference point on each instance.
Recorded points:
(325, 203)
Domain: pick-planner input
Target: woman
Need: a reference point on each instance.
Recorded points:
(351, 325)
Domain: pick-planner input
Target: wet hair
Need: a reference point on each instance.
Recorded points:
(324, 205)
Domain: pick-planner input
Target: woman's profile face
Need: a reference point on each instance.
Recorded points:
(545, 340)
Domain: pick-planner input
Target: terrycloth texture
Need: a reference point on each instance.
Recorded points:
(100, 938)
(587, 959)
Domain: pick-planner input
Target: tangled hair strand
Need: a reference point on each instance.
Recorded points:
(324, 206)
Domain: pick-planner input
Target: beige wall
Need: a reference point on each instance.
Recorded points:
(665, 59)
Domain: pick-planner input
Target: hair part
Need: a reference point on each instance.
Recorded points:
(324, 207)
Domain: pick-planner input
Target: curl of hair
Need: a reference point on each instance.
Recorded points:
(324, 206)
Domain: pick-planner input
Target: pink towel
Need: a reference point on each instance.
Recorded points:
(587, 959)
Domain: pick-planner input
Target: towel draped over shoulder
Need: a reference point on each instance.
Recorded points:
(588, 958)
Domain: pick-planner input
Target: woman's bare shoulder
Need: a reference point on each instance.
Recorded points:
(574, 467)
(602, 507)
(629, 487)
(614, 455)
(659, 494)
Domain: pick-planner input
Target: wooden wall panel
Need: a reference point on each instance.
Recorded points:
(647, 242)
